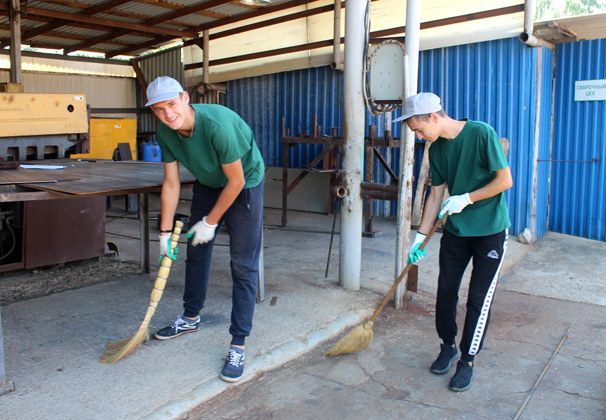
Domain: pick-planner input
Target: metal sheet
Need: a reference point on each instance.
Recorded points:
(59, 231)
(578, 204)
(105, 177)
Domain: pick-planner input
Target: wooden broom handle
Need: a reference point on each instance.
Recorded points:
(435, 227)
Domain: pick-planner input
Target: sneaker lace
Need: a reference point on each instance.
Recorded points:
(235, 358)
(179, 321)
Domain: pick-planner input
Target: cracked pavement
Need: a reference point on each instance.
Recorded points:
(391, 379)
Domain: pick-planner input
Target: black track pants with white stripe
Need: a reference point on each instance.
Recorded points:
(487, 253)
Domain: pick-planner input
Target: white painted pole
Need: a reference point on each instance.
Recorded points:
(411, 42)
(537, 139)
(404, 218)
(353, 146)
(337, 62)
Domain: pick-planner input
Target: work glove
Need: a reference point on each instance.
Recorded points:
(165, 247)
(415, 255)
(201, 232)
(455, 204)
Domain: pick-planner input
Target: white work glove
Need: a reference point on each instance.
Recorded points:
(415, 254)
(455, 204)
(165, 247)
(201, 232)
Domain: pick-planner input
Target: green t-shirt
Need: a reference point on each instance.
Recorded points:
(220, 137)
(467, 163)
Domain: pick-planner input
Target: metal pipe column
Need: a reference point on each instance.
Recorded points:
(527, 36)
(205, 56)
(337, 62)
(413, 29)
(411, 70)
(353, 146)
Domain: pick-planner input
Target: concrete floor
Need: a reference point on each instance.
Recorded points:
(53, 343)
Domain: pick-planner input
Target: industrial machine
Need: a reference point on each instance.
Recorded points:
(42, 126)
(38, 232)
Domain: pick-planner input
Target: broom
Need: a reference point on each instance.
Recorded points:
(359, 338)
(116, 350)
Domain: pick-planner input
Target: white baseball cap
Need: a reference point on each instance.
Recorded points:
(162, 89)
(420, 104)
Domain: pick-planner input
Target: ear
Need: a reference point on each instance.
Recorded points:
(185, 96)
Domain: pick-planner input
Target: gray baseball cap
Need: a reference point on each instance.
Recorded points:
(420, 104)
(162, 89)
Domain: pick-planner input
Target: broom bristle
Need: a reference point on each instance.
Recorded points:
(116, 350)
(358, 339)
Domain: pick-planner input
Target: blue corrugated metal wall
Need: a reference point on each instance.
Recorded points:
(296, 96)
(494, 82)
(491, 81)
(578, 202)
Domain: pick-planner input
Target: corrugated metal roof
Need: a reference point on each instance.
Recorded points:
(580, 28)
(160, 23)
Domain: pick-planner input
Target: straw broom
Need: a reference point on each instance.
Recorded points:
(360, 337)
(116, 350)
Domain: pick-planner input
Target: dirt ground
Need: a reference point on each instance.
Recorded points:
(27, 284)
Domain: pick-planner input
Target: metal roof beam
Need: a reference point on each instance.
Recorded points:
(255, 13)
(58, 23)
(233, 19)
(144, 27)
(377, 34)
(154, 21)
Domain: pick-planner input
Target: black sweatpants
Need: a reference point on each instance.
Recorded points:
(455, 253)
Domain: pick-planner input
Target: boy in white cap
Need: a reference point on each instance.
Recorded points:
(219, 149)
(467, 157)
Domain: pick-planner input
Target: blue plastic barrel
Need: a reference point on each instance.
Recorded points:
(151, 152)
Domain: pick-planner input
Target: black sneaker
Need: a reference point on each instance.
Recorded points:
(179, 327)
(447, 355)
(461, 381)
(233, 367)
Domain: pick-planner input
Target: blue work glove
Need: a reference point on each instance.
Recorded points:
(165, 247)
(455, 204)
(415, 254)
(202, 232)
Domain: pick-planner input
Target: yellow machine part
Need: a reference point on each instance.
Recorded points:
(37, 114)
(106, 133)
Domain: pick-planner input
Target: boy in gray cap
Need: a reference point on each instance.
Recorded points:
(219, 149)
(467, 157)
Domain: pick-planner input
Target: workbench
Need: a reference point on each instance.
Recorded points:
(85, 178)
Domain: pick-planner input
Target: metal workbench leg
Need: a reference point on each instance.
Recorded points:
(144, 228)
(5, 386)
(261, 284)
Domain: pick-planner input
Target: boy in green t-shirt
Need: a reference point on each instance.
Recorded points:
(467, 157)
(219, 149)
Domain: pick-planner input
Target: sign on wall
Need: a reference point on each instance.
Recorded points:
(590, 90)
